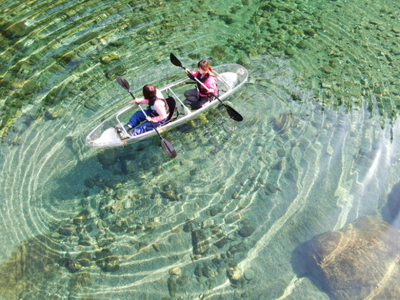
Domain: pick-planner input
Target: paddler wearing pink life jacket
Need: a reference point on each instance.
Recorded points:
(157, 112)
(201, 95)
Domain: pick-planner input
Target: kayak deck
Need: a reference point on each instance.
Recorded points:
(230, 78)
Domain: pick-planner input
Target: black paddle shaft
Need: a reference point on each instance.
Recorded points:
(231, 112)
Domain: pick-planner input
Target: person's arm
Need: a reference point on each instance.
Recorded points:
(191, 74)
(160, 108)
(139, 101)
(211, 84)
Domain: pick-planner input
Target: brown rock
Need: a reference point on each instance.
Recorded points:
(357, 262)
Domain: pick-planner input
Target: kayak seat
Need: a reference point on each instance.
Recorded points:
(230, 78)
(172, 108)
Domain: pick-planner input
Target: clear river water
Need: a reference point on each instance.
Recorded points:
(318, 147)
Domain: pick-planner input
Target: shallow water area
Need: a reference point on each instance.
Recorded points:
(229, 217)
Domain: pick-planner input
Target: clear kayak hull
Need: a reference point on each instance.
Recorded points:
(231, 77)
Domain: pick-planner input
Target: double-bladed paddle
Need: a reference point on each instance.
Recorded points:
(168, 148)
(232, 113)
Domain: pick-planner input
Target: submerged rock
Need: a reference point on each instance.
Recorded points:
(116, 229)
(84, 258)
(172, 287)
(360, 260)
(188, 227)
(107, 261)
(104, 239)
(221, 242)
(197, 271)
(289, 51)
(118, 70)
(127, 166)
(171, 195)
(67, 57)
(156, 247)
(120, 194)
(241, 247)
(81, 217)
(234, 275)
(327, 69)
(207, 271)
(113, 184)
(54, 113)
(247, 230)
(108, 156)
(90, 183)
(16, 30)
(85, 240)
(301, 45)
(79, 280)
(67, 229)
(29, 267)
(249, 274)
(117, 207)
(200, 242)
(213, 212)
(182, 280)
(309, 32)
(175, 271)
(73, 265)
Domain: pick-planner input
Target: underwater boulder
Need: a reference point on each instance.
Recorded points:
(247, 230)
(172, 286)
(17, 30)
(67, 230)
(81, 217)
(200, 242)
(79, 281)
(107, 261)
(107, 156)
(67, 58)
(84, 258)
(359, 260)
(309, 32)
(234, 275)
(118, 70)
(29, 268)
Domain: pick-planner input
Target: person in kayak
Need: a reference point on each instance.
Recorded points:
(200, 95)
(156, 112)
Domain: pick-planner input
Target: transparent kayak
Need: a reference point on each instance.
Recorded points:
(230, 77)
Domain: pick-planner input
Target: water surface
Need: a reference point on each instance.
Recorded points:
(317, 148)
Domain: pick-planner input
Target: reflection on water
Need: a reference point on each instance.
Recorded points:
(241, 208)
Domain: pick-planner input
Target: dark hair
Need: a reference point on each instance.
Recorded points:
(204, 64)
(149, 91)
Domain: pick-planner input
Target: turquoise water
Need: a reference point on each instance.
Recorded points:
(317, 149)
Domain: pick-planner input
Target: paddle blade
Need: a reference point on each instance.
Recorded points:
(122, 82)
(168, 148)
(233, 113)
(187, 111)
(175, 60)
